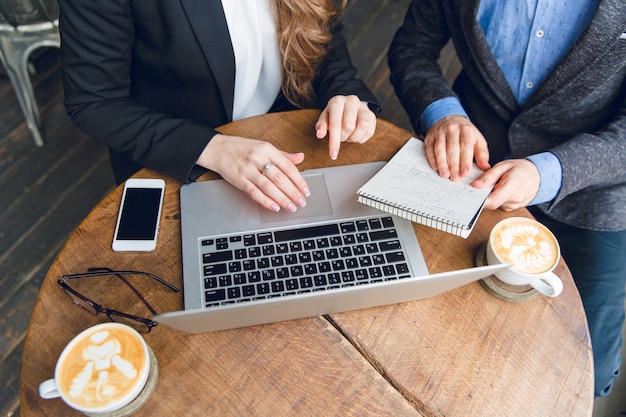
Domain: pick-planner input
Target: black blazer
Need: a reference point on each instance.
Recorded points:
(152, 78)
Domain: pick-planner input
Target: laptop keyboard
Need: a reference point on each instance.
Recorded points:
(252, 266)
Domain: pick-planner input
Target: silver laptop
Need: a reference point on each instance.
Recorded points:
(244, 265)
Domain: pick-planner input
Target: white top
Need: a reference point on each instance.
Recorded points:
(257, 60)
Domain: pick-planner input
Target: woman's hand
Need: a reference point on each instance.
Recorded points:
(345, 119)
(269, 176)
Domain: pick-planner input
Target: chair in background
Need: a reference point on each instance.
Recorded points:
(26, 25)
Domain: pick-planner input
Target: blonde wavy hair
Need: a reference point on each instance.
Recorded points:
(304, 35)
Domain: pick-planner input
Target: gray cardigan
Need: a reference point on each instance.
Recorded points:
(578, 113)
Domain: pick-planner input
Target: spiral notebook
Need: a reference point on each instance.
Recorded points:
(408, 187)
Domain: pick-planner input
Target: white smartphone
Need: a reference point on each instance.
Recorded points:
(139, 215)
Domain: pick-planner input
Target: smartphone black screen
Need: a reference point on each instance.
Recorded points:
(140, 212)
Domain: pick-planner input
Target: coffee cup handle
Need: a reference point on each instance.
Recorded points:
(549, 285)
(48, 389)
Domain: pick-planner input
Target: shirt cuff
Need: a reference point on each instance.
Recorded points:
(439, 109)
(550, 174)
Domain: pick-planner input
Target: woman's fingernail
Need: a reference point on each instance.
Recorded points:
(292, 207)
(276, 207)
(301, 202)
(306, 191)
(333, 155)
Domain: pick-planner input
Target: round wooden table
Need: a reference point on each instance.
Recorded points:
(463, 353)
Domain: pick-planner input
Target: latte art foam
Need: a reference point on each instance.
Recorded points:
(103, 368)
(528, 247)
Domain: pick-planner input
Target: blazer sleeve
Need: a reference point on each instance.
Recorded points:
(96, 54)
(413, 54)
(337, 75)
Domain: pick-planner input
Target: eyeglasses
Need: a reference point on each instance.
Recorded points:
(141, 324)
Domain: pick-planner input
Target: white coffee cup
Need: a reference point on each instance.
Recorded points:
(101, 370)
(531, 249)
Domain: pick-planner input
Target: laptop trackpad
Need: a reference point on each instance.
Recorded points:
(318, 204)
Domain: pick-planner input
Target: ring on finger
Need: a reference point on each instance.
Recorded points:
(267, 167)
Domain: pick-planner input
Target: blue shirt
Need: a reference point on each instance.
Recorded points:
(528, 38)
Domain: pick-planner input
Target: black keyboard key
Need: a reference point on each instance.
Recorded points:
(282, 248)
(322, 242)
(306, 282)
(389, 270)
(225, 281)
(324, 266)
(371, 248)
(263, 288)
(335, 241)
(296, 270)
(334, 278)
(362, 225)
(268, 250)
(402, 268)
(349, 240)
(378, 259)
(310, 269)
(295, 246)
(254, 276)
(239, 279)
(249, 265)
(387, 222)
(263, 263)
(395, 257)
(210, 282)
(375, 224)
(268, 275)
(277, 261)
(345, 252)
(264, 238)
(308, 244)
(212, 257)
(248, 290)
(375, 272)
(291, 284)
(347, 227)
(361, 274)
(347, 276)
(234, 266)
(318, 255)
(304, 257)
(214, 269)
(254, 252)
(234, 239)
(384, 234)
(390, 245)
(352, 263)
(306, 232)
(249, 240)
(234, 292)
(320, 280)
(207, 242)
(214, 295)
(277, 286)
(338, 265)
(240, 253)
(282, 272)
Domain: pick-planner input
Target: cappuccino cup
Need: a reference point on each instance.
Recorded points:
(531, 249)
(101, 370)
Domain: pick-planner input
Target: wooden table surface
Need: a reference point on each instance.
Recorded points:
(463, 353)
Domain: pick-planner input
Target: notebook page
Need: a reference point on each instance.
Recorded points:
(407, 181)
